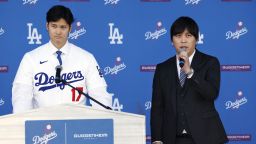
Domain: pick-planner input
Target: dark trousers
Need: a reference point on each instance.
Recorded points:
(184, 140)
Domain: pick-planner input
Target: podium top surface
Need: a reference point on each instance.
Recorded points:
(70, 109)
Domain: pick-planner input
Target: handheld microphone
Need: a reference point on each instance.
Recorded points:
(57, 76)
(181, 60)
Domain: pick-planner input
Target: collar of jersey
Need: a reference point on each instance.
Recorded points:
(53, 49)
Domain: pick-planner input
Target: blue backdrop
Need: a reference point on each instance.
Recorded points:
(129, 37)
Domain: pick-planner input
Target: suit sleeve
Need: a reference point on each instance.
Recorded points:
(206, 80)
(156, 116)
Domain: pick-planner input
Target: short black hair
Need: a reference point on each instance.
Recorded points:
(183, 23)
(57, 12)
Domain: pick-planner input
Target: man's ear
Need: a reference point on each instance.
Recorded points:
(47, 26)
(70, 28)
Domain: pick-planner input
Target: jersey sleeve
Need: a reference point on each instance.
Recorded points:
(22, 90)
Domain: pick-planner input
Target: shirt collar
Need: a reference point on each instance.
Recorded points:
(64, 49)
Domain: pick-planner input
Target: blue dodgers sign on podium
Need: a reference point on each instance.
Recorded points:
(96, 131)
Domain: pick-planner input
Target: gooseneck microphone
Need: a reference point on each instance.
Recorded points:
(58, 80)
(57, 76)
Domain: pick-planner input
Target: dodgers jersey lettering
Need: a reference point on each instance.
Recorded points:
(34, 85)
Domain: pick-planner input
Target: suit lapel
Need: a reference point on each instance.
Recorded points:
(197, 61)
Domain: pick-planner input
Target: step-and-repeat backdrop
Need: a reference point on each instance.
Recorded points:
(129, 37)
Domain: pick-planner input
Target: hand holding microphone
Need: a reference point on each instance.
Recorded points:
(182, 56)
(184, 61)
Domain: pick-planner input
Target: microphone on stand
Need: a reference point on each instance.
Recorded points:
(58, 79)
(57, 76)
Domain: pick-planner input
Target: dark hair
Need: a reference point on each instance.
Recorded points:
(183, 23)
(57, 12)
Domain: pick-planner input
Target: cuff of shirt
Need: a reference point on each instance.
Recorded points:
(190, 73)
(157, 142)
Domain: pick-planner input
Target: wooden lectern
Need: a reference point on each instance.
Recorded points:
(128, 128)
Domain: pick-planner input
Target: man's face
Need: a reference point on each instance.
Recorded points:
(58, 32)
(185, 40)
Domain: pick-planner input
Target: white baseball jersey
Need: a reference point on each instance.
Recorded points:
(34, 85)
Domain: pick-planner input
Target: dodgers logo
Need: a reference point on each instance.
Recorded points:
(1, 102)
(50, 135)
(79, 31)
(241, 30)
(114, 35)
(48, 82)
(116, 105)
(148, 105)
(99, 70)
(200, 38)
(238, 102)
(114, 70)
(33, 35)
(192, 2)
(111, 1)
(160, 30)
(29, 2)
(1, 31)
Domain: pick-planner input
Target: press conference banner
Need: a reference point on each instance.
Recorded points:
(96, 131)
(129, 37)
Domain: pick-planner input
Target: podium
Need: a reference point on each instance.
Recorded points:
(127, 128)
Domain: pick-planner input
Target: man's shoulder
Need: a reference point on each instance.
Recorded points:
(168, 62)
(201, 59)
(39, 48)
(207, 56)
(39, 51)
(79, 51)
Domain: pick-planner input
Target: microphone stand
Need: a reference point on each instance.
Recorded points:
(86, 95)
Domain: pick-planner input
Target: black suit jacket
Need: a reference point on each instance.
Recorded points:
(200, 92)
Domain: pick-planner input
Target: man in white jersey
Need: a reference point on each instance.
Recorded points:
(34, 85)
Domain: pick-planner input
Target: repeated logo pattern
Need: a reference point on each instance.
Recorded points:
(128, 38)
(33, 36)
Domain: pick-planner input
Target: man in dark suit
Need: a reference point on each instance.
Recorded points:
(184, 89)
